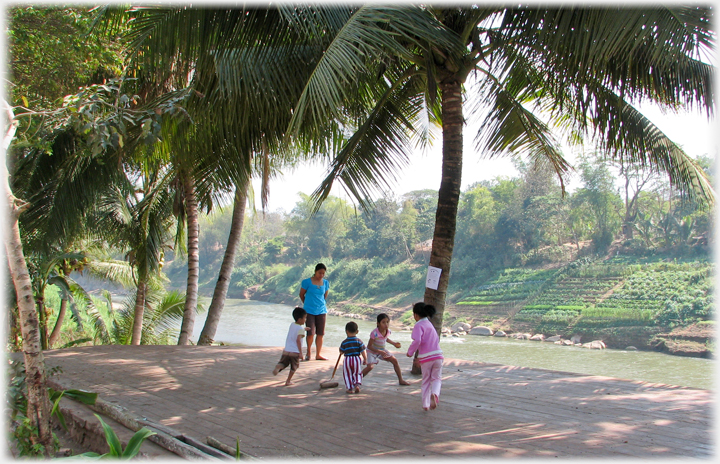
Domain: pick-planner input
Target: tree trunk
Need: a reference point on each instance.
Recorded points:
(42, 320)
(223, 282)
(448, 196)
(191, 294)
(58, 323)
(139, 312)
(38, 408)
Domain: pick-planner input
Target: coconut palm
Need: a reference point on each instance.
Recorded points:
(161, 319)
(371, 75)
(141, 220)
(230, 54)
(580, 69)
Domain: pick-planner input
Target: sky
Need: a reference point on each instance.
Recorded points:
(692, 131)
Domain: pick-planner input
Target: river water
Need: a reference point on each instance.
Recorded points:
(249, 322)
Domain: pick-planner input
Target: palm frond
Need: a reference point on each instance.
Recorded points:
(379, 145)
(644, 144)
(119, 272)
(510, 127)
(356, 41)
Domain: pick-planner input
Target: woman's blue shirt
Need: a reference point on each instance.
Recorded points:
(315, 296)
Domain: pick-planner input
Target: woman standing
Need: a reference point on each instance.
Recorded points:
(313, 293)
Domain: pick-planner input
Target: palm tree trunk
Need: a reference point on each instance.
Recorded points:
(218, 301)
(139, 312)
(40, 302)
(58, 323)
(448, 196)
(191, 294)
(38, 407)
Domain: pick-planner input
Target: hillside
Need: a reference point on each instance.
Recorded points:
(665, 306)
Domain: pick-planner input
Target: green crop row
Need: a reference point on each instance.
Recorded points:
(476, 303)
(617, 313)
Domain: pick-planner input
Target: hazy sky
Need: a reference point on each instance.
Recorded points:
(691, 131)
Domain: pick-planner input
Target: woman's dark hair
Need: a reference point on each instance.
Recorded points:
(319, 266)
(382, 316)
(424, 310)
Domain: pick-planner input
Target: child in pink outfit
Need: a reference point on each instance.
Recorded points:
(427, 343)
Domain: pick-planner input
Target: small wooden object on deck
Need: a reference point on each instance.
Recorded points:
(330, 383)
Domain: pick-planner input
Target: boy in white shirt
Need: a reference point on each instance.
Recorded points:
(293, 345)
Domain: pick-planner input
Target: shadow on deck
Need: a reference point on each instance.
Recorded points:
(486, 410)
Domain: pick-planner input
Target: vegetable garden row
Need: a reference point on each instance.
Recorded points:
(606, 294)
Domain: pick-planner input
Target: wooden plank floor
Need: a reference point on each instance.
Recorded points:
(486, 410)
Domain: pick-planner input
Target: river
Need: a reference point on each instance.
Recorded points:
(249, 322)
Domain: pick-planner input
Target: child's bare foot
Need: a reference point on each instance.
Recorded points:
(348, 391)
(320, 358)
(433, 401)
(403, 382)
(425, 409)
(357, 389)
(288, 383)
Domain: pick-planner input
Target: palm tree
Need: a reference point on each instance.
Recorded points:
(580, 67)
(161, 320)
(142, 220)
(370, 75)
(223, 282)
(53, 270)
(220, 109)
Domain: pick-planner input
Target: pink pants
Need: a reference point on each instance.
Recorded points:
(352, 372)
(431, 380)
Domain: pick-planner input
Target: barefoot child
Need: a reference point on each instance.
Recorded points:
(352, 347)
(293, 345)
(427, 343)
(376, 348)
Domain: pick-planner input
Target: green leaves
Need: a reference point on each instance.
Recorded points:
(83, 396)
(116, 451)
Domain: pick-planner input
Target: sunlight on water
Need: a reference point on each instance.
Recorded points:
(257, 323)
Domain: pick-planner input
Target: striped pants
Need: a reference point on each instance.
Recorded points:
(352, 372)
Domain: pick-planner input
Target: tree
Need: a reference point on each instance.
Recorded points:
(53, 52)
(635, 178)
(477, 216)
(581, 67)
(38, 408)
(142, 220)
(218, 300)
(599, 194)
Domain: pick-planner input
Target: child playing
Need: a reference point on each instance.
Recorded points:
(376, 347)
(427, 343)
(293, 345)
(352, 347)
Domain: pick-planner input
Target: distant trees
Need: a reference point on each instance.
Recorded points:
(508, 221)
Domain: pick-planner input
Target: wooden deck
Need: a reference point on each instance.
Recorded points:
(486, 410)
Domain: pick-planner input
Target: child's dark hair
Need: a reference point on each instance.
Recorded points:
(298, 312)
(424, 310)
(351, 327)
(319, 266)
(382, 316)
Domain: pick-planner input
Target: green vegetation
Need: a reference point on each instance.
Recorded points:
(116, 449)
(124, 132)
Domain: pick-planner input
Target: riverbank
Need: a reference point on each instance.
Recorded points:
(696, 340)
